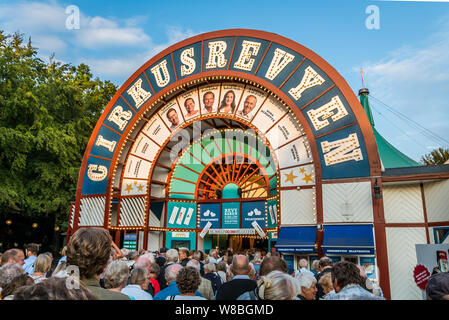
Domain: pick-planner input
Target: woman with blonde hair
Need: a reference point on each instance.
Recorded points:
(42, 265)
(277, 285)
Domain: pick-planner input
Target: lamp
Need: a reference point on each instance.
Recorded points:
(377, 191)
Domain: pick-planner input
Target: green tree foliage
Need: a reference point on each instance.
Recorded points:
(47, 113)
(436, 156)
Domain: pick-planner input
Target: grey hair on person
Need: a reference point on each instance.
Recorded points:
(212, 252)
(142, 262)
(277, 285)
(172, 255)
(116, 274)
(132, 255)
(138, 276)
(197, 255)
(172, 271)
(149, 256)
(316, 265)
(195, 264)
(210, 267)
(8, 272)
(304, 279)
(303, 263)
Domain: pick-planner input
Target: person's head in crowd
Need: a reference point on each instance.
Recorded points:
(132, 256)
(194, 264)
(140, 277)
(303, 263)
(8, 272)
(16, 283)
(326, 283)
(154, 270)
(163, 251)
(257, 257)
(142, 251)
(89, 249)
(277, 285)
(42, 264)
(49, 254)
(345, 273)
(437, 287)
(221, 266)
(197, 255)
(171, 272)
(272, 263)
(325, 263)
(61, 270)
(188, 280)
(183, 253)
(252, 272)
(172, 255)
(240, 265)
(210, 267)
(125, 252)
(31, 249)
(13, 256)
(55, 289)
(149, 256)
(213, 253)
(116, 275)
(307, 285)
(143, 262)
(316, 266)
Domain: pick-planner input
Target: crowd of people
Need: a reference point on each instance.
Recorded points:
(92, 267)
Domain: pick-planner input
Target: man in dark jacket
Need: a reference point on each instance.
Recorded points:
(241, 282)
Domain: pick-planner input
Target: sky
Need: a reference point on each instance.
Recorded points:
(402, 46)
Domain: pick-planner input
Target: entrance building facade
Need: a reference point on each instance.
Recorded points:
(243, 139)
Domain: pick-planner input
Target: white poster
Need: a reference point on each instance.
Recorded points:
(230, 97)
(283, 132)
(271, 111)
(258, 229)
(252, 99)
(137, 168)
(144, 147)
(156, 130)
(295, 153)
(190, 105)
(205, 229)
(210, 98)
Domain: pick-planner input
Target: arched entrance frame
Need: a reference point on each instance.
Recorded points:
(339, 82)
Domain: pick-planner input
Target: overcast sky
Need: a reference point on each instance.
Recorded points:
(405, 60)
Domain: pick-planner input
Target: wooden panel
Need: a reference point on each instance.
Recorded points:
(347, 202)
(437, 200)
(402, 260)
(154, 240)
(298, 207)
(403, 204)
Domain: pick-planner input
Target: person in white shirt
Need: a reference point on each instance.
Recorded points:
(138, 284)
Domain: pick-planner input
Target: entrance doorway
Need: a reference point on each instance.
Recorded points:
(239, 244)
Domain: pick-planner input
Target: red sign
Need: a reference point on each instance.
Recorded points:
(421, 275)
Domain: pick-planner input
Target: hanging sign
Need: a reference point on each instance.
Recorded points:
(258, 229)
(205, 229)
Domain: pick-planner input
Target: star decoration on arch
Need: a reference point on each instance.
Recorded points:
(290, 177)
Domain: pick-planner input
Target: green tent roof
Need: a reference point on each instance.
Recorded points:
(390, 156)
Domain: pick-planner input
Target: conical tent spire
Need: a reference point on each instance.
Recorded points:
(389, 155)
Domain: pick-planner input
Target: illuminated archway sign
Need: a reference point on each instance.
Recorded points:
(179, 130)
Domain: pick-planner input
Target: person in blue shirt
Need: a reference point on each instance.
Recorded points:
(172, 289)
(138, 284)
(31, 251)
